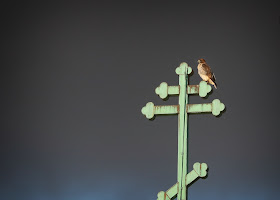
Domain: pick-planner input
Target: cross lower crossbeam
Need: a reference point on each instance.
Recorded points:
(199, 170)
(215, 107)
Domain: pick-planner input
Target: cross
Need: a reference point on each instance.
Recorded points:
(183, 109)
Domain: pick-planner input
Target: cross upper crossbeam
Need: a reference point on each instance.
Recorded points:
(163, 90)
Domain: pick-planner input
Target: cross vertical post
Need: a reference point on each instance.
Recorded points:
(182, 132)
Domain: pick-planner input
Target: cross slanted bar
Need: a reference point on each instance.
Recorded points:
(184, 178)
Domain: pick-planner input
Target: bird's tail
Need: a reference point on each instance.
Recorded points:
(213, 81)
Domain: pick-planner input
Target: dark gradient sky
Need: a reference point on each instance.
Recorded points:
(75, 75)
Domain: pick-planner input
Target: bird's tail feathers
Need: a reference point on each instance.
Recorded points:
(213, 79)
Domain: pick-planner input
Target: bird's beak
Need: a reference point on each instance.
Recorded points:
(198, 61)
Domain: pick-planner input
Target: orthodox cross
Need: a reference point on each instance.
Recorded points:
(184, 178)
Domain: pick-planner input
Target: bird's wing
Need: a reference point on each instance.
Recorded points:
(206, 69)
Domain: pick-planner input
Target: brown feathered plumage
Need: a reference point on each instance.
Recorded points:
(205, 72)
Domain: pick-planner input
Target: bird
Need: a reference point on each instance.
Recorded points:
(205, 72)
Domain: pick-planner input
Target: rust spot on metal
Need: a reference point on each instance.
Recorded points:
(168, 196)
(192, 88)
(165, 195)
(174, 106)
(159, 106)
(189, 107)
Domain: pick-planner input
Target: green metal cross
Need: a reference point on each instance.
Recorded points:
(183, 90)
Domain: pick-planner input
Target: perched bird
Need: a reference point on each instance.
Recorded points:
(205, 72)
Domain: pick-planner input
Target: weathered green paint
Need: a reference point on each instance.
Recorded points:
(215, 107)
(150, 110)
(204, 89)
(163, 90)
(173, 90)
(169, 194)
(182, 131)
(183, 109)
(199, 170)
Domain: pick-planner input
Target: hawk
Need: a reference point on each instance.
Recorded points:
(205, 72)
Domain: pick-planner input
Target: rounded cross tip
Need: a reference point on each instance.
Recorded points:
(162, 90)
(217, 107)
(162, 196)
(200, 169)
(184, 68)
(189, 70)
(148, 110)
(204, 89)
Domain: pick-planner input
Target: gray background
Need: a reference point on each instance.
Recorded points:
(75, 75)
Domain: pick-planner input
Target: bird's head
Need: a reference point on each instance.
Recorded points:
(201, 60)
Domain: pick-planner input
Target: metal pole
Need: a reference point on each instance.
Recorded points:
(182, 136)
